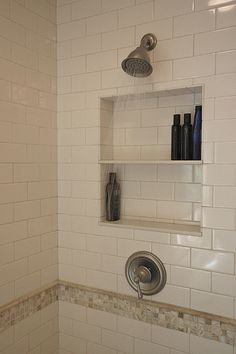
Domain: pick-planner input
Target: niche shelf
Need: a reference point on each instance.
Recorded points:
(157, 193)
(153, 162)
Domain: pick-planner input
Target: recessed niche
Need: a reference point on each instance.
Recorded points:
(135, 133)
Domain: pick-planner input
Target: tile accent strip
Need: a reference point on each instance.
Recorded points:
(25, 306)
(201, 324)
(181, 319)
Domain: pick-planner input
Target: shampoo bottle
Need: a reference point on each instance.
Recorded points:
(112, 198)
(176, 138)
(197, 133)
(186, 138)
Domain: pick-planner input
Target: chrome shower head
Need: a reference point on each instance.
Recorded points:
(138, 62)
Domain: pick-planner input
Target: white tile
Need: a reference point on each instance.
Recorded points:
(199, 344)
(102, 280)
(71, 30)
(224, 284)
(118, 39)
(191, 278)
(224, 240)
(162, 27)
(189, 23)
(101, 319)
(85, 8)
(212, 260)
(225, 197)
(215, 41)
(87, 332)
(102, 23)
(118, 341)
(212, 303)
(175, 48)
(188, 192)
(172, 254)
(218, 174)
(169, 8)
(226, 16)
(134, 328)
(136, 15)
(225, 62)
(141, 347)
(202, 65)
(175, 295)
(170, 337)
(219, 218)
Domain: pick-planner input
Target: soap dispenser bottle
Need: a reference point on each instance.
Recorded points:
(176, 138)
(197, 133)
(112, 198)
(186, 138)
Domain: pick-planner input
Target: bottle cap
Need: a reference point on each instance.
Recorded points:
(198, 108)
(187, 118)
(176, 119)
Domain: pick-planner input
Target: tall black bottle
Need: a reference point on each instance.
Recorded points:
(186, 138)
(176, 138)
(197, 133)
(112, 198)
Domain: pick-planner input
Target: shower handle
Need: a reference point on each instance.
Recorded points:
(142, 274)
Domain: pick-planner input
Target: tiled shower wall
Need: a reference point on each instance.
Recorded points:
(28, 156)
(196, 45)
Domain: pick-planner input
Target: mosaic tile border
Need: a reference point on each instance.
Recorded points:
(25, 306)
(185, 320)
(201, 324)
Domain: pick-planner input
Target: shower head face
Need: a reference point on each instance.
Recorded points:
(137, 63)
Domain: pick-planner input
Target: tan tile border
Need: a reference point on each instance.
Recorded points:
(221, 329)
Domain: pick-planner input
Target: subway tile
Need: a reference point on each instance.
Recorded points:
(162, 27)
(127, 247)
(27, 284)
(118, 341)
(197, 344)
(172, 294)
(214, 41)
(158, 191)
(87, 332)
(109, 5)
(219, 130)
(27, 247)
(212, 303)
(103, 60)
(225, 62)
(169, 8)
(172, 254)
(202, 65)
(224, 284)
(86, 45)
(188, 192)
(102, 280)
(85, 8)
(118, 39)
(189, 23)
(72, 66)
(174, 48)
(71, 343)
(212, 260)
(226, 16)
(220, 218)
(224, 240)
(169, 337)
(102, 319)
(214, 174)
(134, 328)
(174, 210)
(225, 197)
(191, 278)
(102, 23)
(98, 349)
(135, 15)
(71, 30)
(141, 347)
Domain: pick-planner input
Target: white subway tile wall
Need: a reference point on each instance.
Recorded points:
(28, 166)
(196, 45)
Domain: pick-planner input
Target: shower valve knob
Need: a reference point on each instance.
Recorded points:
(142, 274)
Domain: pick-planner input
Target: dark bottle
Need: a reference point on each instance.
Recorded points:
(176, 138)
(112, 198)
(197, 133)
(186, 138)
